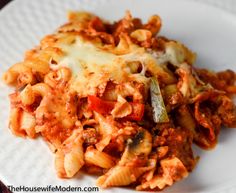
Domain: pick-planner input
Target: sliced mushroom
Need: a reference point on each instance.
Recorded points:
(141, 144)
(123, 173)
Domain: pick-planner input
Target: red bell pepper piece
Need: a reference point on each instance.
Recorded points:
(99, 105)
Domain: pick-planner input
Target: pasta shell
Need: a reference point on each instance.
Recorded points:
(73, 162)
(70, 158)
(98, 158)
(120, 176)
(59, 164)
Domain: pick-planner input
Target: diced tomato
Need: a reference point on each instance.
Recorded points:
(105, 107)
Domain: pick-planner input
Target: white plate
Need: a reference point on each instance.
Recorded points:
(207, 30)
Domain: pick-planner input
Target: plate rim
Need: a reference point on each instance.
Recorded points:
(11, 5)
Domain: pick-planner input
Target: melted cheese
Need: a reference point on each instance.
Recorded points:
(92, 66)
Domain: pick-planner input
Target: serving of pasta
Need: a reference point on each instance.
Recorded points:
(119, 101)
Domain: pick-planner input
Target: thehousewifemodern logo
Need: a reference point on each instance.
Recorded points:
(50, 188)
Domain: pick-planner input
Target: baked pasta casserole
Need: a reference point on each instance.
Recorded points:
(120, 101)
